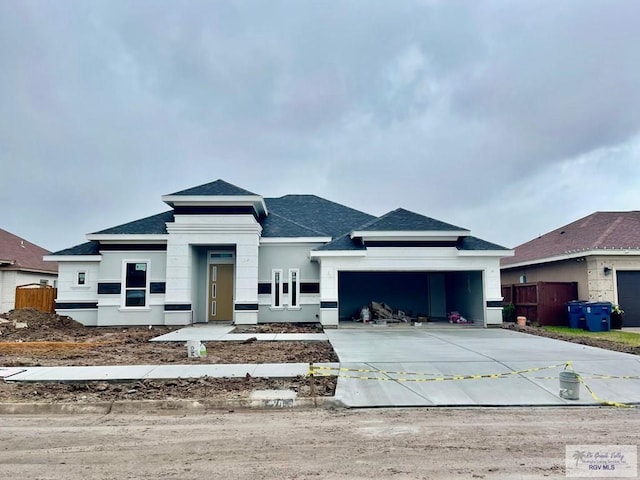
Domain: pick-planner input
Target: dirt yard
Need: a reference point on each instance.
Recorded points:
(398, 444)
(54, 340)
(592, 342)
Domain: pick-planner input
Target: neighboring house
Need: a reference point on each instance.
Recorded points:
(223, 253)
(601, 252)
(21, 263)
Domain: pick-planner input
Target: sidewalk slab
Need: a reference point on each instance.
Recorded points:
(222, 333)
(139, 372)
(195, 332)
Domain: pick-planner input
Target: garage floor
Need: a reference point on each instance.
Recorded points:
(436, 353)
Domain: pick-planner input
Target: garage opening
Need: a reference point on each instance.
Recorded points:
(426, 294)
(629, 297)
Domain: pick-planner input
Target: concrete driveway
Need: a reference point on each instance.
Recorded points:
(431, 353)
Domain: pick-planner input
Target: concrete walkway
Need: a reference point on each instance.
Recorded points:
(141, 372)
(448, 352)
(222, 333)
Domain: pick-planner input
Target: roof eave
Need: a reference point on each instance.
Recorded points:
(255, 201)
(129, 237)
(572, 255)
(337, 253)
(72, 258)
(425, 235)
(287, 240)
(486, 253)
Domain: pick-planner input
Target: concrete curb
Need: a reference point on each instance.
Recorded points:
(196, 406)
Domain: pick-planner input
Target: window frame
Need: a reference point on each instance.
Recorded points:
(277, 289)
(146, 288)
(294, 288)
(77, 278)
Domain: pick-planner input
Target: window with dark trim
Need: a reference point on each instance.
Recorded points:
(276, 288)
(136, 284)
(294, 288)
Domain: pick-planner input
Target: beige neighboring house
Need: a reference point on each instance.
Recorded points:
(21, 263)
(601, 252)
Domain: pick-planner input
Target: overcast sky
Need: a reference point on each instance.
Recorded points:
(507, 118)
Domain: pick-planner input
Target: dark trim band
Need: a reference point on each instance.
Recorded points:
(494, 303)
(328, 304)
(177, 307)
(408, 243)
(76, 306)
(215, 210)
(246, 307)
(157, 287)
(133, 247)
(109, 288)
(309, 287)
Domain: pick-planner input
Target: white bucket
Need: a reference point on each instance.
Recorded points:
(569, 386)
(193, 348)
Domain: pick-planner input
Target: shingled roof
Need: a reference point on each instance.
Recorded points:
(295, 216)
(404, 220)
(19, 254)
(598, 231)
(217, 188)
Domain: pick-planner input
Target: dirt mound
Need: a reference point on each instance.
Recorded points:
(40, 324)
(180, 388)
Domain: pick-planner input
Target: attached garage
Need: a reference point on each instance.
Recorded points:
(629, 296)
(430, 294)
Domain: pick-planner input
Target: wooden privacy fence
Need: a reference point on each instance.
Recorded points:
(34, 295)
(542, 302)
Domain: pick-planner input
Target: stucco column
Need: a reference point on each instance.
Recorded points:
(178, 309)
(329, 313)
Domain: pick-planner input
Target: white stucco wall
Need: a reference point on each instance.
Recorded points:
(10, 279)
(288, 256)
(241, 231)
(413, 259)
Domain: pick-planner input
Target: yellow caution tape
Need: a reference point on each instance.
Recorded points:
(315, 370)
(323, 371)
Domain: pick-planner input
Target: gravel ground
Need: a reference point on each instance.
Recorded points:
(309, 444)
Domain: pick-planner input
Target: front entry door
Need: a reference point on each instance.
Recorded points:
(220, 292)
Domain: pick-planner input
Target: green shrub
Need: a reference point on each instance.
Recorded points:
(509, 313)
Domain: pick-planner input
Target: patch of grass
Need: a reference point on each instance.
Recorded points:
(626, 338)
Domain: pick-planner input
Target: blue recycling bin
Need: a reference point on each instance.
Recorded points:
(598, 316)
(575, 311)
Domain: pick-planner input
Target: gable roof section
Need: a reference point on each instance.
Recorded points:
(598, 231)
(16, 253)
(153, 225)
(217, 188)
(318, 214)
(404, 220)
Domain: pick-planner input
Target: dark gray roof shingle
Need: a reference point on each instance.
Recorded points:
(277, 226)
(318, 214)
(153, 225)
(474, 243)
(404, 220)
(217, 188)
(88, 248)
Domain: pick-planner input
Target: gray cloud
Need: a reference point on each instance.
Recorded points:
(457, 110)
